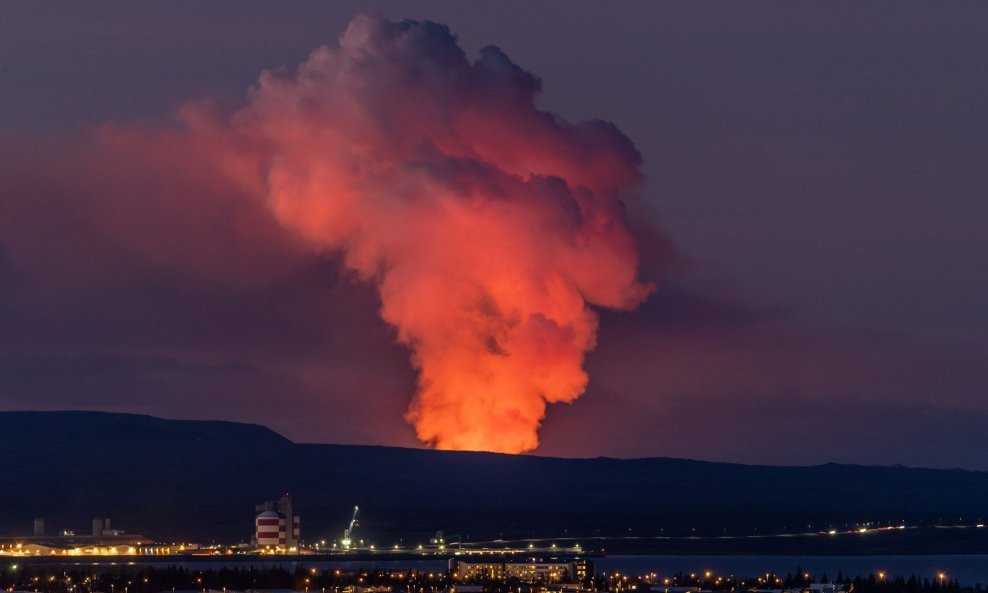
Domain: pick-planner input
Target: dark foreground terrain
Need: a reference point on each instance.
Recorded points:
(149, 579)
(187, 480)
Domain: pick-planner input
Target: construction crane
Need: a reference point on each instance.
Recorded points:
(347, 541)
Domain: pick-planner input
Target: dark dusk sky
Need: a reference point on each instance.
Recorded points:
(815, 218)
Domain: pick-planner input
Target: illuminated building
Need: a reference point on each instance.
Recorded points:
(530, 572)
(277, 525)
(584, 569)
(468, 571)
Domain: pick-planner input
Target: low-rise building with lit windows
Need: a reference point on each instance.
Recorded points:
(529, 572)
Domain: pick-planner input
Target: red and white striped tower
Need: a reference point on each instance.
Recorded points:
(268, 532)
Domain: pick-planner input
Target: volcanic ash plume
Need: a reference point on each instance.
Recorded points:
(489, 227)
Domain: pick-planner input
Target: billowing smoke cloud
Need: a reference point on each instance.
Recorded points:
(143, 269)
(489, 227)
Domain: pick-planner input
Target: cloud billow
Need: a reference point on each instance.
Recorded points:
(491, 229)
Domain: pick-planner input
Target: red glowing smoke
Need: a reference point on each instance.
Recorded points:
(489, 227)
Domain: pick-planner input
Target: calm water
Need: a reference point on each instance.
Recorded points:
(969, 569)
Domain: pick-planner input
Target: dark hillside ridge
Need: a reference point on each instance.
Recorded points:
(200, 480)
(74, 427)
